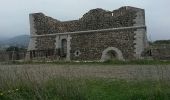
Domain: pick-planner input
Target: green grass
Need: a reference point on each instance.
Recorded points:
(109, 62)
(122, 90)
(25, 87)
(88, 89)
(138, 62)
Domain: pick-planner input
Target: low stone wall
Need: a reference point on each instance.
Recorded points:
(4, 56)
(9, 56)
(161, 51)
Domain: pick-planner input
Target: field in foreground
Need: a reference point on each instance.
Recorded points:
(84, 82)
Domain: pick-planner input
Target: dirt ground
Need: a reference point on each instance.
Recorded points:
(45, 71)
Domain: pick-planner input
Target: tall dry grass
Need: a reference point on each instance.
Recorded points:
(84, 82)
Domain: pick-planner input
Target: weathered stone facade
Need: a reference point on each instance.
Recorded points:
(12, 55)
(97, 36)
(160, 51)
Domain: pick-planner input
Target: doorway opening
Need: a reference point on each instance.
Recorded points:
(63, 48)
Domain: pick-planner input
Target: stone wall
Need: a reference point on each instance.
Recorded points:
(45, 43)
(87, 38)
(93, 20)
(10, 55)
(4, 56)
(91, 45)
(160, 51)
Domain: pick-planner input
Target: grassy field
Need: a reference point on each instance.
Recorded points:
(108, 62)
(84, 82)
(88, 89)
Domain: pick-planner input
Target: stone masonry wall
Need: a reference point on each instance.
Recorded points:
(46, 33)
(160, 51)
(45, 43)
(93, 20)
(91, 45)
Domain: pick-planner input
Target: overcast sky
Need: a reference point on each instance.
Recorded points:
(14, 14)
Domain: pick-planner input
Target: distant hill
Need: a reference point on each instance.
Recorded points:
(2, 39)
(19, 41)
(162, 42)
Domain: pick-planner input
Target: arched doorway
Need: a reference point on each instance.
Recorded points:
(63, 47)
(111, 53)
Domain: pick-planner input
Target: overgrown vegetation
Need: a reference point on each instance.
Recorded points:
(14, 48)
(138, 62)
(43, 82)
(88, 89)
(108, 62)
(162, 42)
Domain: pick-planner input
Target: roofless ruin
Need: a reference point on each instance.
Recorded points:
(98, 36)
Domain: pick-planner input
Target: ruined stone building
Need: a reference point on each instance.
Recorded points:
(98, 36)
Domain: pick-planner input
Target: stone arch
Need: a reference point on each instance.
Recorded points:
(115, 51)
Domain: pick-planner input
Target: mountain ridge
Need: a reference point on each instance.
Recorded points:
(18, 41)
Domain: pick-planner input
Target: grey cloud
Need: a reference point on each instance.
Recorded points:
(14, 13)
